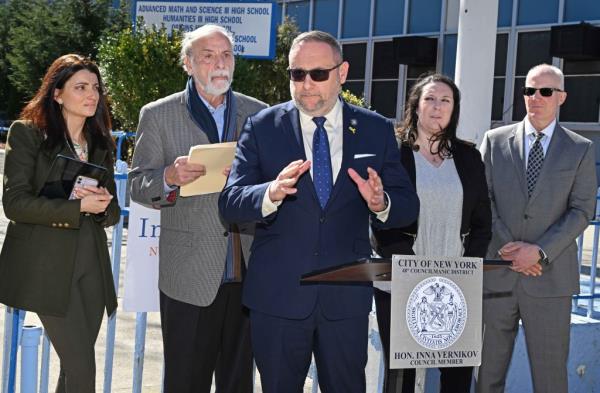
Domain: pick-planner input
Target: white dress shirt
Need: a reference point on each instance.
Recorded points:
(334, 124)
(529, 137)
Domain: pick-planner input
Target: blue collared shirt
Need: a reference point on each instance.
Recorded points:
(218, 114)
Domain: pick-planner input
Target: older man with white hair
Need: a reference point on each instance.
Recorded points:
(205, 328)
(542, 184)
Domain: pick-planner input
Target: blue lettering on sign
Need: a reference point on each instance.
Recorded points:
(231, 19)
(210, 10)
(238, 10)
(152, 8)
(258, 11)
(175, 8)
(179, 18)
(154, 229)
(211, 19)
(245, 38)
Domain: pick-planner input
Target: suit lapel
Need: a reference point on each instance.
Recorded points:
(349, 147)
(292, 130)
(293, 135)
(550, 159)
(97, 156)
(517, 151)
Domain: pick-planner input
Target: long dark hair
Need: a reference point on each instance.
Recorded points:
(45, 113)
(447, 137)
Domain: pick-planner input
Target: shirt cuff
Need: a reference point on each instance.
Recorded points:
(269, 207)
(383, 215)
(167, 188)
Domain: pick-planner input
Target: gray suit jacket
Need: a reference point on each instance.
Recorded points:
(559, 209)
(193, 237)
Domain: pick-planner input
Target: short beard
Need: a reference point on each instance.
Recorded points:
(210, 89)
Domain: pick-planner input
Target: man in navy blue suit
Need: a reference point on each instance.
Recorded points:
(312, 173)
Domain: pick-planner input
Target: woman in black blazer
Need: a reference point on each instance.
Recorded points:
(54, 259)
(427, 140)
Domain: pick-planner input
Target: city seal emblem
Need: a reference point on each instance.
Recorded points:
(436, 313)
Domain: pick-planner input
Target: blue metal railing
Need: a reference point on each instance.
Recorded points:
(14, 318)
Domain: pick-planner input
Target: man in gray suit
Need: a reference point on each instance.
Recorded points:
(204, 326)
(542, 183)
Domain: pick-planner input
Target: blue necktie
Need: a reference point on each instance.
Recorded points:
(322, 175)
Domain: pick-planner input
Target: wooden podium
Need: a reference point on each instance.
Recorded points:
(372, 269)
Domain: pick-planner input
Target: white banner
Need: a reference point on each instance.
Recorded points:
(251, 23)
(141, 271)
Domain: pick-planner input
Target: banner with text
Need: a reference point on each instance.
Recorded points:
(253, 24)
(141, 271)
(436, 312)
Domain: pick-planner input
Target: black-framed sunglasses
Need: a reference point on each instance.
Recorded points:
(544, 91)
(317, 75)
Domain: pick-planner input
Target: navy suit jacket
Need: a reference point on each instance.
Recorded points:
(301, 237)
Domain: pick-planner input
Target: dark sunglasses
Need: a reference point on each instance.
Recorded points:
(544, 91)
(318, 75)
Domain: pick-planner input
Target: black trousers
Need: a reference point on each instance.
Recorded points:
(74, 335)
(198, 341)
(452, 379)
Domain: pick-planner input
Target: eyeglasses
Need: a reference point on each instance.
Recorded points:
(317, 75)
(544, 91)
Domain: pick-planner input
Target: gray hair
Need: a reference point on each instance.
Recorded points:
(204, 31)
(548, 69)
(319, 36)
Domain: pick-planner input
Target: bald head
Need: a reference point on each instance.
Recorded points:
(546, 69)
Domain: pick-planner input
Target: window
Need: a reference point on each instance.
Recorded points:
(389, 17)
(424, 16)
(384, 97)
(326, 16)
(504, 12)
(582, 83)
(532, 12)
(384, 88)
(355, 54)
(299, 12)
(449, 64)
(356, 18)
(532, 49)
(577, 10)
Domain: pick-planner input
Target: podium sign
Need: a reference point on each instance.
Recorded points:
(436, 312)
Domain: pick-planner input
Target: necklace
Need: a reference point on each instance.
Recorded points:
(79, 151)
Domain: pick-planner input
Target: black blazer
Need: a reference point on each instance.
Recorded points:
(38, 253)
(476, 224)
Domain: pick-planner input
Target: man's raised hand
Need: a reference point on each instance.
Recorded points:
(285, 182)
(370, 189)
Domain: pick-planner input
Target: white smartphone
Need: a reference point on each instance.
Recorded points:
(82, 181)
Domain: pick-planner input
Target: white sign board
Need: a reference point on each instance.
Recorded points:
(253, 24)
(141, 271)
(436, 312)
